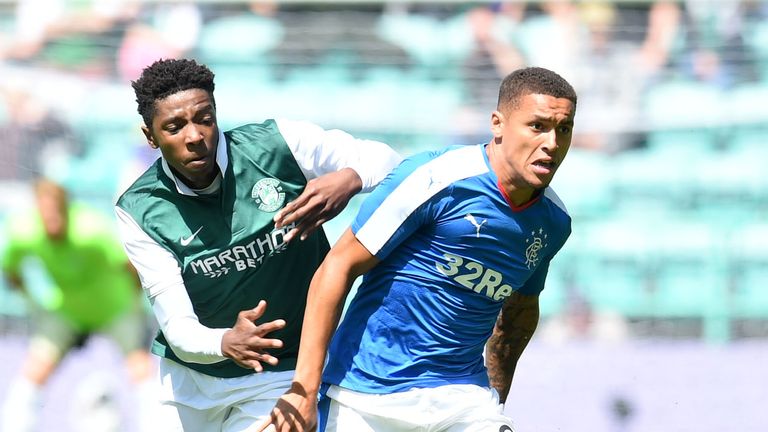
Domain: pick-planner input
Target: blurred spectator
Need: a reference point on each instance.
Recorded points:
(715, 43)
(66, 257)
(609, 77)
(483, 39)
(70, 34)
(549, 37)
(663, 26)
(239, 39)
(161, 30)
(492, 55)
(33, 136)
(317, 34)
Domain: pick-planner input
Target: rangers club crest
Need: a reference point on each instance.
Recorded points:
(268, 194)
(535, 243)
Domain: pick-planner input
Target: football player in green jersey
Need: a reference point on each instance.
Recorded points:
(91, 286)
(224, 231)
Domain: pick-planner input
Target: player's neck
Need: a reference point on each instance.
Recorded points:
(518, 195)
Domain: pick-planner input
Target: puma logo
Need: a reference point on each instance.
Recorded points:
(473, 221)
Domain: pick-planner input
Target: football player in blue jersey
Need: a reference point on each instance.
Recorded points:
(455, 246)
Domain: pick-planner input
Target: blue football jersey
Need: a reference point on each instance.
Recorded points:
(452, 249)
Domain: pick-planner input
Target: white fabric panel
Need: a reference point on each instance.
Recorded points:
(319, 151)
(417, 188)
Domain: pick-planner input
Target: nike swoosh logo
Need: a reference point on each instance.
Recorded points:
(188, 240)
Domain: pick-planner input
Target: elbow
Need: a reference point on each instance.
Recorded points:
(187, 356)
(194, 343)
(181, 354)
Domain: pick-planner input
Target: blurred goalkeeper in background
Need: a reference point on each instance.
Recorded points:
(92, 289)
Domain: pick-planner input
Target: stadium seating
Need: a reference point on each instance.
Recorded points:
(748, 255)
(756, 38)
(240, 39)
(666, 225)
(585, 182)
(612, 266)
(669, 108)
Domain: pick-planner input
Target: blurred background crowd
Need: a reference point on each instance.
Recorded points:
(666, 180)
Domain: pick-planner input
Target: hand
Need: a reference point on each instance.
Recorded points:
(245, 342)
(295, 411)
(323, 198)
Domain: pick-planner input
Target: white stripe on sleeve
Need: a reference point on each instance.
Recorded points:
(421, 185)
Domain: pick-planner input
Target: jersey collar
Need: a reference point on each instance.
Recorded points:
(222, 160)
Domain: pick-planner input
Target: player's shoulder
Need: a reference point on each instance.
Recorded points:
(23, 226)
(143, 187)
(250, 132)
(428, 176)
(445, 165)
(551, 196)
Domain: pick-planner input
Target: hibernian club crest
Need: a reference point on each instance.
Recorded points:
(268, 194)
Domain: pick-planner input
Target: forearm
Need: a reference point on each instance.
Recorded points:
(511, 334)
(325, 301)
(329, 288)
(191, 341)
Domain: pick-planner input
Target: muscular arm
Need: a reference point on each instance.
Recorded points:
(347, 260)
(329, 288)
(514, 328)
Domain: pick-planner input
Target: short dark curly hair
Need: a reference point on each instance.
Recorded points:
(166, 77)
(533, 80)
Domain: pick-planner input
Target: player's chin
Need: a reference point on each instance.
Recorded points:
(539, 182)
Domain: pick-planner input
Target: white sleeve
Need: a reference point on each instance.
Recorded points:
(319, 151)
(161, 279)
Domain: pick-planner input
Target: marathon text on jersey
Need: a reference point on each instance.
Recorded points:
(243, 256)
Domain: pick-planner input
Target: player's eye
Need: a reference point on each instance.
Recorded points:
(173, 128)
(565, 130)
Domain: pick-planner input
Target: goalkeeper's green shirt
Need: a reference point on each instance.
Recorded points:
(88, 269)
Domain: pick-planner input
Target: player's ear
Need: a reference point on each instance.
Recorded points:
(497, 124)
(148, 135)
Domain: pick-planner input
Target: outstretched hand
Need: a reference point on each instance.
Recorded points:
(245, 343)
(322, 199)
(295, 411)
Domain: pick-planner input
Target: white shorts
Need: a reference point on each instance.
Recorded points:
(450, 408)
(195, 402)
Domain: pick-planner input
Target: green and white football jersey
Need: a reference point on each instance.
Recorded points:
(225, 245)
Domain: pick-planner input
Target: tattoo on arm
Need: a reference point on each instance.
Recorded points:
(514, 328)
